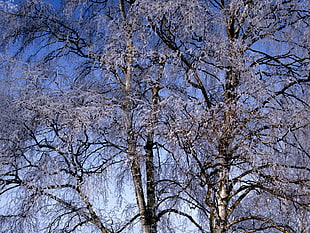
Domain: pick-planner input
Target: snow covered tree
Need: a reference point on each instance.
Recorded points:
(155, 116)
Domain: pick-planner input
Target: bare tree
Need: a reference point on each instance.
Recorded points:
(199, 108)
(241, 141)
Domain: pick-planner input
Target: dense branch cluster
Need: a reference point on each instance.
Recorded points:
(155, 116)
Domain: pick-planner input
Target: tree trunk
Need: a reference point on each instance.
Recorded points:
(223, 191)
(225, 152)
(149, 164)
(132, 152)
(146, 210)
(150, 189)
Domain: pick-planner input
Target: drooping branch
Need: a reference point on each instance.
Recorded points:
(281, 227)
(188, 216)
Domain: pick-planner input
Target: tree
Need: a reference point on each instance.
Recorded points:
(204, 104)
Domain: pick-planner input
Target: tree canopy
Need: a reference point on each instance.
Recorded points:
(155, 116)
